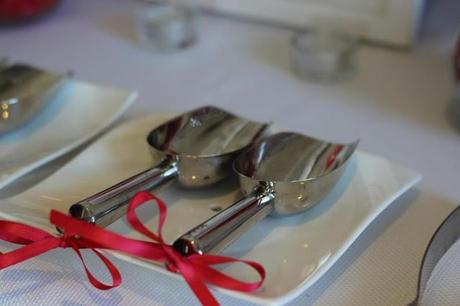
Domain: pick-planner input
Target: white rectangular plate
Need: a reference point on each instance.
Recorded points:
(78, 112)
(295, 251)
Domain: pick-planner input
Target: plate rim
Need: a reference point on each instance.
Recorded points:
(129, 100)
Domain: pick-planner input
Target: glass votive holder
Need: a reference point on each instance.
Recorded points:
(323, 56)
(166, 28)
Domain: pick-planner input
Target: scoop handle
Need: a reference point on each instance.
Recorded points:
(109, 205)
(216, 233)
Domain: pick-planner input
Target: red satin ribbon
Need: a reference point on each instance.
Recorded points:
(197, 270)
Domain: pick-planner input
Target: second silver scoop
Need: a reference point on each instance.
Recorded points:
(284, 174)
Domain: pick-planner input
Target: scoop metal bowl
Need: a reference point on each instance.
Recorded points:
(284, 174)
(196, 149)
(24, 92)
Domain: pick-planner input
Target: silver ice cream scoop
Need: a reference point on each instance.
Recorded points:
(24, 92)
(196, 149)
(284, 174)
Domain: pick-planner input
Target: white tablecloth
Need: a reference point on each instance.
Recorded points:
(400, 105)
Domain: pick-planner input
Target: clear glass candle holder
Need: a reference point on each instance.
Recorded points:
(323, 56)
(168, 27)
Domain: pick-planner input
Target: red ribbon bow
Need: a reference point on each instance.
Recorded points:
(197, 270)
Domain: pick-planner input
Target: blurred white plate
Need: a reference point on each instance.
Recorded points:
(384, 21)
(79, 112)
(295, 251)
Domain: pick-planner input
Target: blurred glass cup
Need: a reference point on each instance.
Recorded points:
(323, 56)
(167, 27)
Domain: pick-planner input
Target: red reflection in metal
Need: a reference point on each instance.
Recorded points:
(331, 159)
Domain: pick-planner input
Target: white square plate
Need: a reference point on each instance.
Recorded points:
(78, 112)
(295, 251)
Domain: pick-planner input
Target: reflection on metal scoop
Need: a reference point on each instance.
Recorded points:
(24, 91)
(284, 174)
(196, 148)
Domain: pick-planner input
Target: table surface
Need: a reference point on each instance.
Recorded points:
(400, 105)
